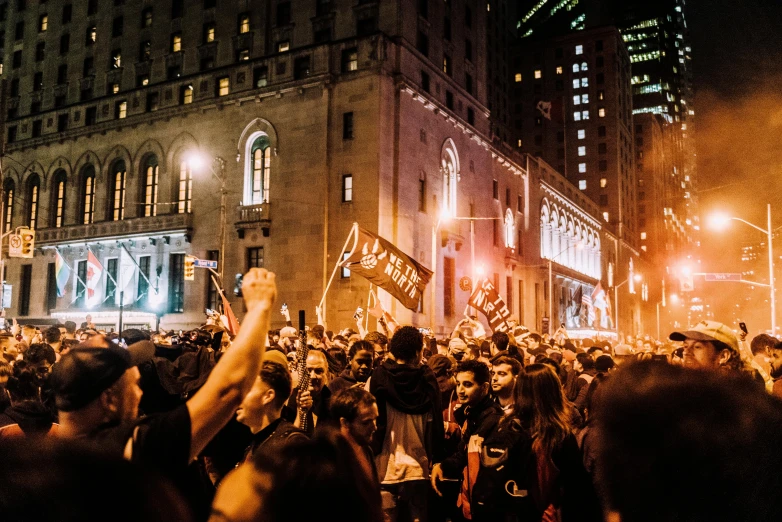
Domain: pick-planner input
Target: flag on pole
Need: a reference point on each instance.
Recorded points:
(551, 110)
(127, 275)
(94, 274)
(231, 323)
(486, 299)
(62, 272)
(384, 265)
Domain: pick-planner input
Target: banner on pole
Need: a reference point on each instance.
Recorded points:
(486, 299)
(384, 265)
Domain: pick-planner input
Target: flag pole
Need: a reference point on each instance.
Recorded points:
(353, 230)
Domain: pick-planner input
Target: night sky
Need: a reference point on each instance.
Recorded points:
(737, 58)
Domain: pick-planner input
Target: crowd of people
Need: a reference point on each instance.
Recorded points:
(391, 425)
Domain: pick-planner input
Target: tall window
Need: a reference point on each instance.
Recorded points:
(33, 188)
(118, 173)
(9, 204)
(255, 257)
(88, 194)
(58, 199)
(143, 282)
(212, 296)
(25, 282)
(347, 188)
(111, 279)
(449, 168)
(185, 193)
(261, 165)
(150, 185)
(81, 290)
(176, 283)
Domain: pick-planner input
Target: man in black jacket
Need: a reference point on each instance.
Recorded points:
(359, 368)
(410, 430)
(480, 416)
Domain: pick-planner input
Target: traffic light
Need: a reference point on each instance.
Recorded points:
(190, 268)
(28, 242)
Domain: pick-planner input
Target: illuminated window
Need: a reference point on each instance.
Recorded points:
(118, 190)
(575, 67)
(603, 182)
(584, 98)
(146, 17)
(559, 69)
(116, 59)
(58, 202)
(209, 33)
(186, 94)
(601, 112)
(584, 115)
(584, 66)
(33, 188)
(92, 35)
(538, 74)
(582, 183)
(576, 83)
(577, 116)
(643, 235)
(576, 99)
(582, 151)
(585, 82)
(8, 187)
(582, 168)
(579, 49)
(185, 192)
(518, 77)
(88, 194)
(260, 152)
(244, 23)
(176, 42)
(43, 23)
(283, 47)
(151, 172)
(581, 134)
(347, 188)
(223, 86)
(605, 216)
(121, 110)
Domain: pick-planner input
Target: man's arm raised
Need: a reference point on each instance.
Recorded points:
(231, 379)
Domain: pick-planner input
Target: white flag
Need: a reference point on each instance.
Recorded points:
(127, 276)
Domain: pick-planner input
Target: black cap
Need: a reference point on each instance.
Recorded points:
(85, 372)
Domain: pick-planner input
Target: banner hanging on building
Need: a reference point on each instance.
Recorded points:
(62, 273)
(94, 275)
(384, 265)
(486, 299)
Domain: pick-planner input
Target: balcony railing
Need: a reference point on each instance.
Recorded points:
(110, 229)
(253, 216)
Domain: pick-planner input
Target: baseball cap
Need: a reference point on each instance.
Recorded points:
(275, 356)
(289, 331)
(85, 372)
(708, 331)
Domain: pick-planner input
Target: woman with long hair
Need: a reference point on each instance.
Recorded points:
(562, 490)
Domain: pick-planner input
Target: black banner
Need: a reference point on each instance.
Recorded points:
(384, 265)
(486, 299)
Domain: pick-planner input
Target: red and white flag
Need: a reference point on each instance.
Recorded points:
(94, 274)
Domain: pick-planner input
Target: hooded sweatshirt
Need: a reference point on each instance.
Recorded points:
(29, 417)
(410, 432)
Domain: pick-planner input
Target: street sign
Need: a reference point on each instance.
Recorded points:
(206, 263)
(722, 277)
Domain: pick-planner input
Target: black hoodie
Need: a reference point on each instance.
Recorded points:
(32, 417)
(411, 389)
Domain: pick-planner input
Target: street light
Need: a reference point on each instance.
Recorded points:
(720, 221)
(196, 162)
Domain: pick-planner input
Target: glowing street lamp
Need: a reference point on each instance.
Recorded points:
(720, 221)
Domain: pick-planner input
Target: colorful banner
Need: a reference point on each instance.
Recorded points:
(486, 299)
(62, 273)
(384, 265)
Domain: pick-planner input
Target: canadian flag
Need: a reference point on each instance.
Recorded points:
(94, 274)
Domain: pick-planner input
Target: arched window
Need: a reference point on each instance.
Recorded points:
(449, 166)
(510, 233)
(149, 196)
(88, 194)
(261, 165)
(118, 174)
(9, 188)
(58, 198)
(185, 187)
(32, 194)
